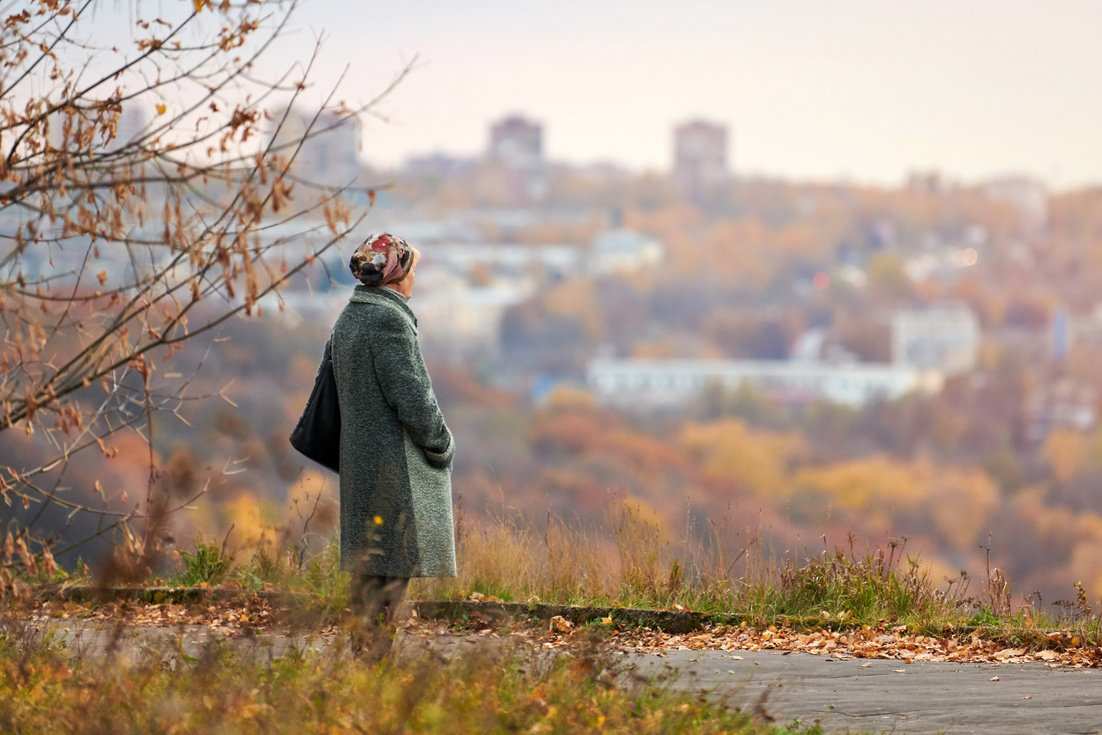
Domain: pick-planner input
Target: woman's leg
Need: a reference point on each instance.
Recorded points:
(375, 602)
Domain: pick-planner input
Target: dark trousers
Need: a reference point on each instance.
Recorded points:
(375, 602)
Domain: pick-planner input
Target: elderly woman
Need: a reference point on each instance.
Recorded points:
(396, 450)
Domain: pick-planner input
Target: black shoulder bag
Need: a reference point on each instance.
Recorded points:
(318, 432)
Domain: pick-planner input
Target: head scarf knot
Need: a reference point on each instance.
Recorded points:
(381, 259)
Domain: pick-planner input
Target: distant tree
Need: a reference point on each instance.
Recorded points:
(143, 202)
(888, 277)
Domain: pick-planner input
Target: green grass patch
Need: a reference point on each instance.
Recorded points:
(206, 564)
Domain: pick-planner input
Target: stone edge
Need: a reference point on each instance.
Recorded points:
(460, 611)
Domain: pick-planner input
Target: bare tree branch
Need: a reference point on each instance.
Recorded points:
(147, 196)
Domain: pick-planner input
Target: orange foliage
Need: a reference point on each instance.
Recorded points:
(645, 452)
(683, 346)
(671, 219)
(459, 386)
(251, 520)
(737, 252)
(758, 460)
(861, 483)
(565, 397)
(570, 432)
(578, 299)
(961, 501)
(582, 432)
(1085, 563)
(1064, 450)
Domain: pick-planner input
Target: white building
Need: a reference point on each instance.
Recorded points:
(460, 320)
(554, 262)
(945, 337)
(622, 250)
(657, 383)
(1064, 404)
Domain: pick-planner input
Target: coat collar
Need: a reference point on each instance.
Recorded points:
(384, 296)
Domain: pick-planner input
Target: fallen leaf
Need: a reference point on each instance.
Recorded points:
(561, 624)
(1009, 653)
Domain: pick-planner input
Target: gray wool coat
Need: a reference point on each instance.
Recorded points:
(396, 450)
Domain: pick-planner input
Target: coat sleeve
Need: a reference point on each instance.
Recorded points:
(401, 373)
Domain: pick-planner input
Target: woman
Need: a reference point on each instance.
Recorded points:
(396, 450)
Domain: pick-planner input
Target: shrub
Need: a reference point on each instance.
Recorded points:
(208, 564)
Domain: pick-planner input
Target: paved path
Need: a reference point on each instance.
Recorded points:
(853, 695)
(863, 695)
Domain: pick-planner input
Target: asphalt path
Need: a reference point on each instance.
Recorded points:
(842, 695)
(878, 695)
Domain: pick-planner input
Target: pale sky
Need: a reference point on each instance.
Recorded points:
(866, 90)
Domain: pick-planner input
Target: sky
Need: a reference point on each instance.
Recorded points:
(861, 90)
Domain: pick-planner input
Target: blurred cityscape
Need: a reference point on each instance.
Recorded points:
(914, 361)
(646, 288)
(791, 363)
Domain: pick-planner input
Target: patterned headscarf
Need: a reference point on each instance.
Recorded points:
(381, 259)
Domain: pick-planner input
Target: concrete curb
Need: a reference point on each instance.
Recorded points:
(459, 611)
(669, 621)
(162, 595)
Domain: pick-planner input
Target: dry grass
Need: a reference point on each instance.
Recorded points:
(46, 689)
(632, 561)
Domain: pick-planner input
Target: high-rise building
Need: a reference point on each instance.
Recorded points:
(329, 155)
(699, 158)
(516, 142)
(512, 171)
(133, 124)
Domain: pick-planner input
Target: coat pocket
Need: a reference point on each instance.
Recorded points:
(431, 491)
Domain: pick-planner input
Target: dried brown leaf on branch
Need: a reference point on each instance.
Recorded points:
(148, 193)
